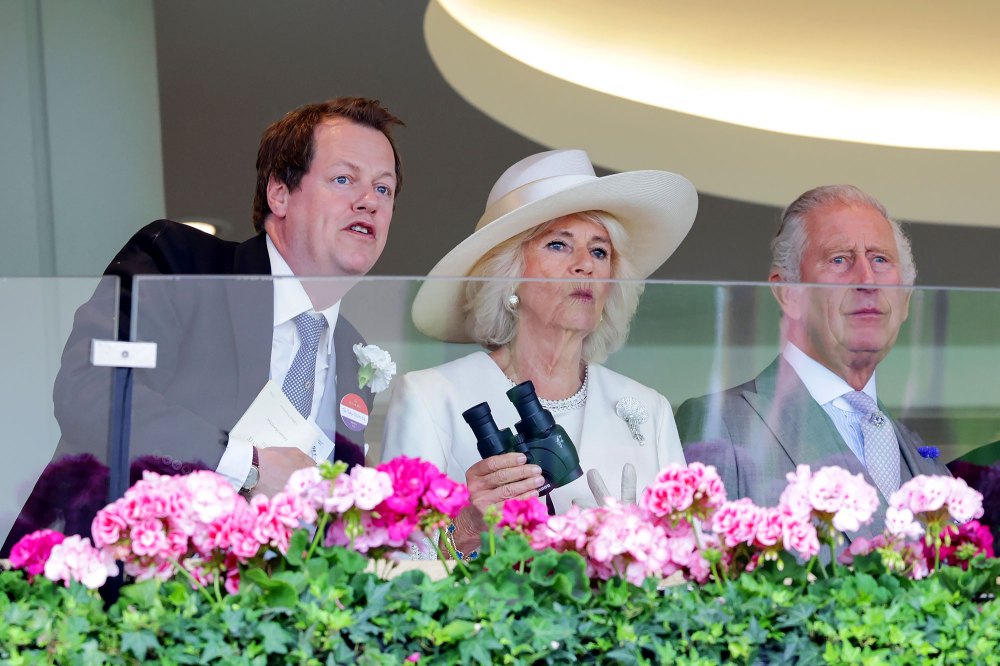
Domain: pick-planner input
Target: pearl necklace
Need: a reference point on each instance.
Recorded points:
(575, 401)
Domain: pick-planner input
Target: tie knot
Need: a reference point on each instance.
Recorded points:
(310, 328)
(861, 401)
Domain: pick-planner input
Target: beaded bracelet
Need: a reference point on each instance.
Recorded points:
(459, 554)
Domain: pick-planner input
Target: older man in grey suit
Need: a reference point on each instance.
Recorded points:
(817, 403)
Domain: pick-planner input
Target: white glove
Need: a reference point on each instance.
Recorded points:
(600, 490)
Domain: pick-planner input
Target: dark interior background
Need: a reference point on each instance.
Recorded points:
(228, 68)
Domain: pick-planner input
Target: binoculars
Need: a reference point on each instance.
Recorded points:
(538, 437)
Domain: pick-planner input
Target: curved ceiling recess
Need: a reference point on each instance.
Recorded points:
(751, 101)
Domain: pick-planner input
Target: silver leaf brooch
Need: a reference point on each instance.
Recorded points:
(634, 414)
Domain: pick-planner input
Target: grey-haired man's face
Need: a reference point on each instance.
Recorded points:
(848, 244)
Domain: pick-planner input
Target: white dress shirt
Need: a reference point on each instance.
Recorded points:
(827, 389)
(290, 300)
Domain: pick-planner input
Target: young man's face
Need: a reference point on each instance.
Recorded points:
(336, 222)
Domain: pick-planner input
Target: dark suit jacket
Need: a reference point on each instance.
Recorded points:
(756, 433)
(213, 340)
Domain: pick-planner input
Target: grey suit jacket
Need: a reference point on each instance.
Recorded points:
(756, 433)
(213, 351)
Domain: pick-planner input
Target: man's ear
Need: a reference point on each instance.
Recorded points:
(789, 297)
(906, 304)
(277, 197)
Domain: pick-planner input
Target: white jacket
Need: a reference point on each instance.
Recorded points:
(425, 421)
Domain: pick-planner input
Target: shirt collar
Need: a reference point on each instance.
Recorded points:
(823, 384)
(290, 299)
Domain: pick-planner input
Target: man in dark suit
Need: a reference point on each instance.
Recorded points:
(817, 404)
(327, 178)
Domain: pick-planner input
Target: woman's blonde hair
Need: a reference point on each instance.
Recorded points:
(492, 321)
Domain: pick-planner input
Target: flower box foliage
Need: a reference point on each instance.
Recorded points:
(283, 579)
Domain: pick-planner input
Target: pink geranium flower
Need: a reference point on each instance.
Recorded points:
(446, 496)
(207, 496)
(370, 486)
(832, 495)
(770, 528)
(684, 493)
(799, 535)
(902, 557)
(75, 559)
(409, 481)
(901, 523)
(736, 522)
(523, 515)
(962, 543)
(935, 501)
(32, 551)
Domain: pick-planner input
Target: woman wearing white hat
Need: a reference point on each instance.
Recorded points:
(548, 216)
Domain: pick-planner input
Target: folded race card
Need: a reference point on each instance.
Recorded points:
(272, 420)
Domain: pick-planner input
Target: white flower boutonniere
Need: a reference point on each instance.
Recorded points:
(377, 367)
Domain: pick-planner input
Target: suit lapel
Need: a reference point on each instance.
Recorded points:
(251, 309)
(597, 426)
(349, 444)
(913, 463)
(803, 429)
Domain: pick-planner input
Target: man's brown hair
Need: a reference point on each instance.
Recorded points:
(287, 146)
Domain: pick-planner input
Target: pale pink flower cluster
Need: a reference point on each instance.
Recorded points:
(191, 521)
(693, 491)
(931, 499)
(735, 523)
(199, 524)
(687, 551)
(748, 532)
(812, 506)
(615, 540)
(652, 539)
(832, 495)
(902, 523)
(75, 559)
(903, 557)
(659, 537)
(798, 533)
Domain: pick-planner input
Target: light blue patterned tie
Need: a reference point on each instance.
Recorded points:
(298, 384)
(881, 447)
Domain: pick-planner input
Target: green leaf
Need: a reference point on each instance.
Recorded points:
(276, 638)
(297, 547)
(276, 592)
(481, 649)
(139, 643)
(144, 594)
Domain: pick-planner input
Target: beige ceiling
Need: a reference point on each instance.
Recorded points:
(751, 100)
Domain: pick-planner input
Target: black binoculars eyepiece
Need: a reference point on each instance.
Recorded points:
(490, 440)
(535, 419)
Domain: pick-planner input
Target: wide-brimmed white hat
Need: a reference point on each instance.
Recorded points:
(656, 208)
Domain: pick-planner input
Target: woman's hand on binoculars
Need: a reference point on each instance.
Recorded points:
(600, 490)
(492, 481)
(498, 478)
